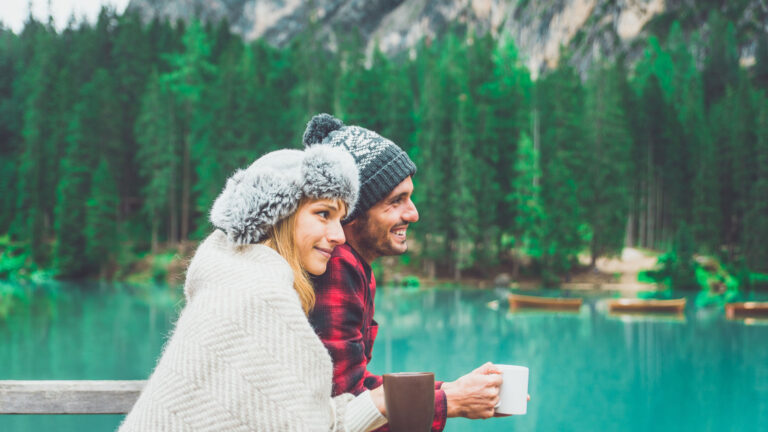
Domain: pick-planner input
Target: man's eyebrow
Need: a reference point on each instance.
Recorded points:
(398, 196)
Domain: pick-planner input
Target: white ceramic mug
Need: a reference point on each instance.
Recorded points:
(513, 398)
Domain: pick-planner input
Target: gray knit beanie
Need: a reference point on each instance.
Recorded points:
(382, 164)
(256, 198)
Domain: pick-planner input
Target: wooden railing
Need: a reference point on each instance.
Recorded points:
(68, 397)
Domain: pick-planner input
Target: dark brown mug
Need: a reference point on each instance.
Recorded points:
(410, 400)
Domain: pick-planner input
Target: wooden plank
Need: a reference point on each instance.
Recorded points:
(68, 397)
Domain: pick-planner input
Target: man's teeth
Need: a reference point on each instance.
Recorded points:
(399, 232)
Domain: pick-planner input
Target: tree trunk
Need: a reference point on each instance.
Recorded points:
(516, 264)
(658, 237)
(642, 222)
(650, 217)
(593, 252)
(185, 187)
(155, 227)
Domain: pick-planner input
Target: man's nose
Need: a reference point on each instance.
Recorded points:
(411, 214)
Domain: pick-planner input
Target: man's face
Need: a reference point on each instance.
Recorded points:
(381, 231)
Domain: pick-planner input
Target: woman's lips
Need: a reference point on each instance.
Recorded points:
(325, 252)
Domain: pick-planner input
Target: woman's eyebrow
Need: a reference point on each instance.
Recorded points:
(333, 207)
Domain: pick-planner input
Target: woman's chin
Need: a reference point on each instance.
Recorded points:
(316, 269)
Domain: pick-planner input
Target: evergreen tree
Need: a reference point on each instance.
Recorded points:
(103, 240)
(655, 125)
(761, 62)
(525, 197)
(191, 72)
(607, 151)
(92, 132)
(463, 207)
(722, 62)
(431, 185)
(219, 145)
(360, 89)
(560, 99)
(10, 121)
(70, 252)
(158, 159)
(130, 57)
(756, 219)
(315, 69)
(507, 118)
(36, 170)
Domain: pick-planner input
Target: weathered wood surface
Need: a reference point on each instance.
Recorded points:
(68, 397)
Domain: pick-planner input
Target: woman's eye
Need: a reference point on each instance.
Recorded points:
(324, 214)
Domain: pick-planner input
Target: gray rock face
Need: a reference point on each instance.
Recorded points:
(591, 28)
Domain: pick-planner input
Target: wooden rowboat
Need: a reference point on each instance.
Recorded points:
(650, 305)
(517, 301)
(746, 310)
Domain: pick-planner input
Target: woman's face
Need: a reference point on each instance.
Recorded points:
(318, 231)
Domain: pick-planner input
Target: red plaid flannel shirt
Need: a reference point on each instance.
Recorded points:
(343, 319)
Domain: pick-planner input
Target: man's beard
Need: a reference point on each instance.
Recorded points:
(372, 242)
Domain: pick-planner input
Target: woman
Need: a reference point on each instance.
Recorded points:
(243, 356)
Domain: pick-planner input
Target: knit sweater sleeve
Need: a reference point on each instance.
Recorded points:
(355, 413)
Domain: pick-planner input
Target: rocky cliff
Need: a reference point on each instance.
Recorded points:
(591, 28)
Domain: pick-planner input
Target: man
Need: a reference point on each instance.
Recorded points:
(343, 312)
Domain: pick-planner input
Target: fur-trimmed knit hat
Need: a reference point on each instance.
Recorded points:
(382, 164)
(256, 198)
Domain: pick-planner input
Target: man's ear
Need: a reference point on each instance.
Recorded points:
(351, 224)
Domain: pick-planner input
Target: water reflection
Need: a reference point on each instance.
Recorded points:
(590, 370)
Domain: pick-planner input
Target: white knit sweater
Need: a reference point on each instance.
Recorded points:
(243, 356)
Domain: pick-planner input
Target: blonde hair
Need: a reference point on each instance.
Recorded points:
(281, 239)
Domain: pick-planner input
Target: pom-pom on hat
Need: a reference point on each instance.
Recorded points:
(256, 198)
(382, 164)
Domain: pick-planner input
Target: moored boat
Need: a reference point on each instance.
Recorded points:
(646, 305)
(746, 310)
(517, 301)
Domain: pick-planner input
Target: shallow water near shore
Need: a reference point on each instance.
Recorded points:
(589, 370)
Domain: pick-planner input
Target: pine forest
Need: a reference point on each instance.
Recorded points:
(116, 137)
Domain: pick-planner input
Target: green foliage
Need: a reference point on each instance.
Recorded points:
(102, 235)
(526, 201)
(717, 287)
(116, 138)
(560, 100)
(605, 195)
(411, 281)
(677, 268)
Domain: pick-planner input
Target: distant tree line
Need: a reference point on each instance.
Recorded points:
(116, 137)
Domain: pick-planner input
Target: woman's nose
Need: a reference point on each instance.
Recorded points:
(336, 233)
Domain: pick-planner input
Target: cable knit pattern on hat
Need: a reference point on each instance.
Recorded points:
(382, 164)
(243, 356)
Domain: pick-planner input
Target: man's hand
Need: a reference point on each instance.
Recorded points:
(474, 395)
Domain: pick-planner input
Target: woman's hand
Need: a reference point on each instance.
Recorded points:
(377, 395)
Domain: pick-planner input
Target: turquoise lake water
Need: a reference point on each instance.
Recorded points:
(590, 371)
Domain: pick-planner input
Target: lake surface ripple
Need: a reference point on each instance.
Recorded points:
(590, 371)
